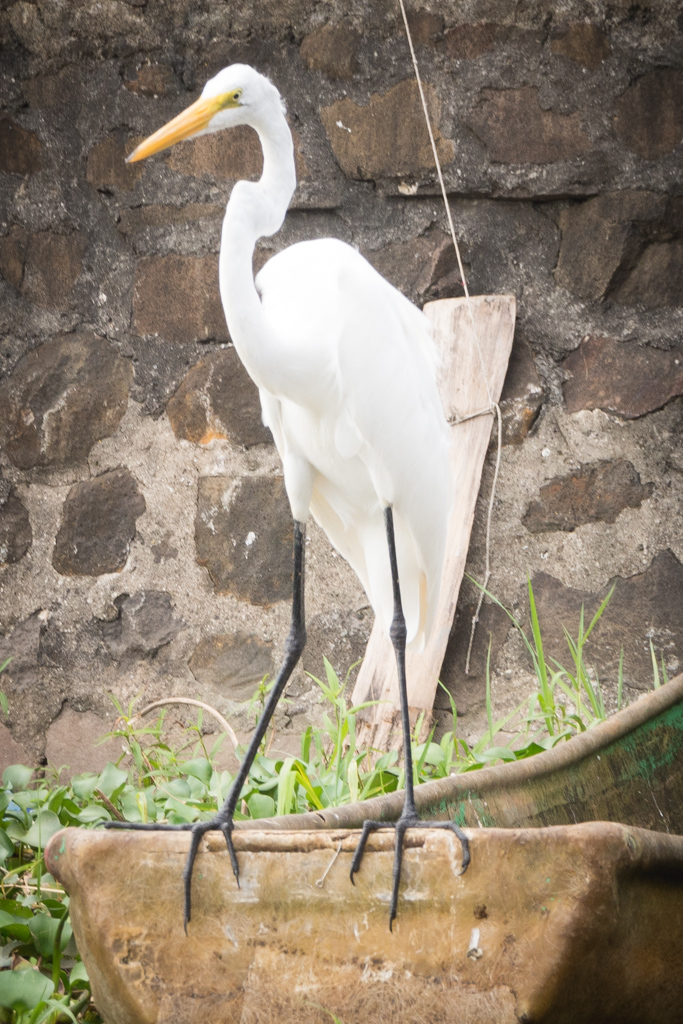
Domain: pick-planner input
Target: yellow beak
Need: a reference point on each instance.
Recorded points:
(188, 123)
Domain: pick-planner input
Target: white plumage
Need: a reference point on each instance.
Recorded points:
(371, 429)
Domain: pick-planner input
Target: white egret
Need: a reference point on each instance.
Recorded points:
(346, 370)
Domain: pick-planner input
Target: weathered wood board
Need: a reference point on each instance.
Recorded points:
(463, 388)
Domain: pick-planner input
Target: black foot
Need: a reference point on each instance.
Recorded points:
(219, 823)
(401, 826)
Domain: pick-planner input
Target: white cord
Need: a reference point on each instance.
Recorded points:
(493, 406)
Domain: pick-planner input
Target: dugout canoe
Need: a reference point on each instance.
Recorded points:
(553, 920)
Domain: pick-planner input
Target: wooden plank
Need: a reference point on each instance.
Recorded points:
(463, 391)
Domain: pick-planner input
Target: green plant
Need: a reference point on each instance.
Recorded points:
(567, 701)
(42, 978)
(4, 707)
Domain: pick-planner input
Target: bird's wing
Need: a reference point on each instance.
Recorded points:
(376, 404)
(387, 367)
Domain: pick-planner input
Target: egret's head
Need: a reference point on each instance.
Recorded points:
(236, 95)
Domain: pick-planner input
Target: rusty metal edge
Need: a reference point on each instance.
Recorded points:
(513, 773)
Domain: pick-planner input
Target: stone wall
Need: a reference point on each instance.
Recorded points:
(144, 531)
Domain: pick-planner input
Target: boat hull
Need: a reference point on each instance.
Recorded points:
(563, 924)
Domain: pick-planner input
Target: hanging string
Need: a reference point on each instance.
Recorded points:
(493, 407)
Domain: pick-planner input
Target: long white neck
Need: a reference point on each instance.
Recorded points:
(256, 209)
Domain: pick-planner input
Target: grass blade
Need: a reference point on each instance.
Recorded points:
(655, 667)
(620, 679)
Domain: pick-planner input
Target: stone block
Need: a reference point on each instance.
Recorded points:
(657, 278)
(649, 114)
(72, 646)
(422, 268)
(13, 251)
(54, 90)
(232, 664)
(177, 298)
(61, 399)
(11, 752)
(73, 742)
(339, 635)
(218, 399)
(98, 525)
(43, 266)
(144, 625)
(644, 607)
(52, 268)
(15, 530)
(468, 690)
(582, 42)
(333, 50)
(106, 167)
(617, 225)
(244, 536)
(19, 149)
(149, 79)
(469, 41)
(516, 130)
(140, 218)
(622, 378)
(597, 492)
(388, 137)
(522, 395)
(426, 27)
(229, 155)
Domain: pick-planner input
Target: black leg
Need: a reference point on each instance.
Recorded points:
(409, 816)
(223, 820)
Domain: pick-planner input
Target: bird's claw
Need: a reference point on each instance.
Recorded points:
(401, 827)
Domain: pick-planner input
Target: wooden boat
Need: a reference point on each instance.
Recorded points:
(564, 922)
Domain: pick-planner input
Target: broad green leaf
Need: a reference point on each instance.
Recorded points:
(111, 779)
(42, 829)
(78, 977)
(130, 807)
(70, 807)
(261, 806)
(26, 799)
(44, 931)
(6, 846)
(200, 769)
(178, 788)
(23, 990)
(84, 785)
(496, 753)
(179, 812)
(94, 812)
(16, 831)
(13, 907)
(198, 790)
(430, 753)
(10, 929)
(17, 776)
(13, 929)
